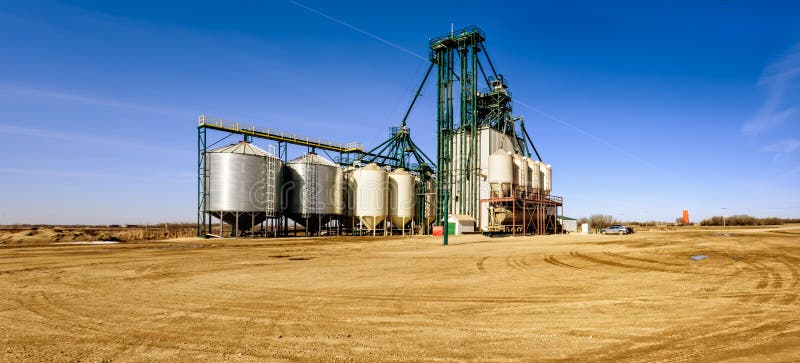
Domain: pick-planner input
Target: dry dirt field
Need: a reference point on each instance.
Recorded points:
(554, 298)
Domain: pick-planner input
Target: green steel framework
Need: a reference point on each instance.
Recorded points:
(465, 43)
(491, 108)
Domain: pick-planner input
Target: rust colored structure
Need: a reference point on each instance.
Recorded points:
(685, 216)
(524, 212)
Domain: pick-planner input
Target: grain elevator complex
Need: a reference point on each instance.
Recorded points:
(487, 174)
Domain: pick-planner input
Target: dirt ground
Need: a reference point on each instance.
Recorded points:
(556, 298)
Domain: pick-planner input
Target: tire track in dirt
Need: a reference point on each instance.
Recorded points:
(601, 261)
(53, 267)
(480, 265)
(793, 271)
(792, 296)
(512, 263)
(60, 317)
(617, 255)
(771, 285)
(675, 345)
(767, 276)
(425, 298)
(626, 265)
(769, 280)
(526, 264)
(521, 263)
(555, 262)
(41, 306)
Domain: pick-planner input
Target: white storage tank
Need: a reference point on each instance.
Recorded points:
(536, 177)
(501, 173)
(402, 198)
(521, 171)
(548, 179)
(533, 175)
(542, 176)
(368, 189)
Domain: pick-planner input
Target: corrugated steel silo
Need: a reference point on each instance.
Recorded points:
(243, 185)
(314, 191)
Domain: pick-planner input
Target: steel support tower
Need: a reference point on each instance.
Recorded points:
(458, 178)
(457, 57)
(465, 44)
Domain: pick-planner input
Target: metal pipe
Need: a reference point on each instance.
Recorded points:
(416, 95)
(486, 53)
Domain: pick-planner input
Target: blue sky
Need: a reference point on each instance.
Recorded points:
(643, 108)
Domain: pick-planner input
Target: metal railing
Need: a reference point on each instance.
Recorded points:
(458, 33)
(232, 126)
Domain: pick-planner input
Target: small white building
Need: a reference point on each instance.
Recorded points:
(460, 224)
(569, 224)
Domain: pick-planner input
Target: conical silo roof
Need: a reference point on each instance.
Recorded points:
(245, 148)
(312, 158)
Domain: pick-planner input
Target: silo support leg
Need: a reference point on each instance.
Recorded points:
(221, 226)
(235, 231)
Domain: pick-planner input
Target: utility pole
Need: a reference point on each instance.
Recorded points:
(723, 217)
(446, 223)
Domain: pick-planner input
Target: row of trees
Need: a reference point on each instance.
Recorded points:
(598, 220)
(605, 220)
(743, 220)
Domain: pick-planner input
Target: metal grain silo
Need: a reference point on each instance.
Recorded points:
(533, 176)
(542, 176)
(314, 191)
(521, 171)
(243, 185)
(501, 173)
(402, 198)
(536, 177)
(368, 190)
(548, 179)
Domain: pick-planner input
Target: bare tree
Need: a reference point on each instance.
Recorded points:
(601, 220)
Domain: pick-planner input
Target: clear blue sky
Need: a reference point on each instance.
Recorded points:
(651, 107)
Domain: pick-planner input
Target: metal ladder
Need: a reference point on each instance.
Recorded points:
(269, 185)
(309, 186)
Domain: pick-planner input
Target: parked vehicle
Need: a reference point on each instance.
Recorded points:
(615, 229)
